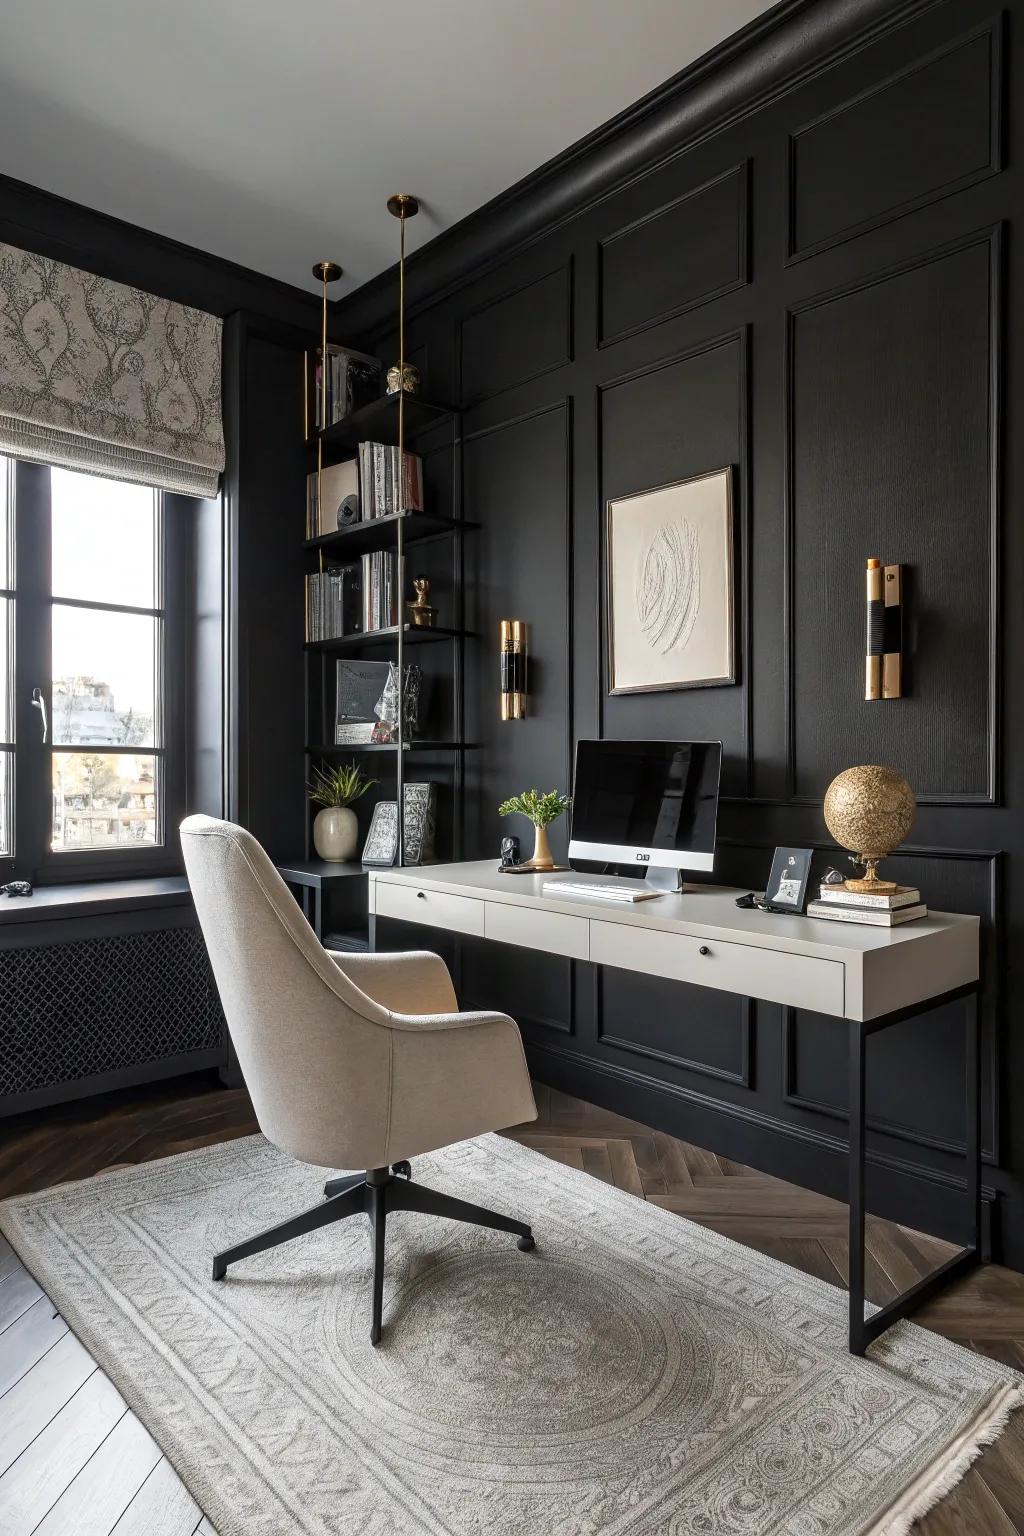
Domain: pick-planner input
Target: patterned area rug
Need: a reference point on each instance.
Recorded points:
(634, 1375)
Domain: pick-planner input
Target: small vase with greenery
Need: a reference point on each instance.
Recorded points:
(335, 828)
(542, 810)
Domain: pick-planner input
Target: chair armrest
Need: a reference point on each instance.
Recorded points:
(412, 983)
(417, 1023)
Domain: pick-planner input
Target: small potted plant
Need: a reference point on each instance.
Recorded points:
(542, 810)
(335, 828)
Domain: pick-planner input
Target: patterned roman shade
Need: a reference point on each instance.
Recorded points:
(100, 377)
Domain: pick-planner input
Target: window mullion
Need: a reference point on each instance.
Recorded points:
(32, 797)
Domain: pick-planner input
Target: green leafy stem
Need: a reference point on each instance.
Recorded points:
(541, 809)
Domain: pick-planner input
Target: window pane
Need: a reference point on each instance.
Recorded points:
(6, 657)
(104, 669)
(6, 521)
(6, 821)
(104, 540)
(103, 800)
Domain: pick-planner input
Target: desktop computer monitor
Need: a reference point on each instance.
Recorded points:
(652, 804)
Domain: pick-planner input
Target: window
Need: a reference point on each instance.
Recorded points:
(91, 722)
(106, 639)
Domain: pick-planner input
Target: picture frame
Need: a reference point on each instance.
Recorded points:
(670, 586)
(787, 883)
(381, 847)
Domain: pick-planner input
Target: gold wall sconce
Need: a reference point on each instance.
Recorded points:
(512, 637)
(883, 678)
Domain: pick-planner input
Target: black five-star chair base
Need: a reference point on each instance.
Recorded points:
(378, 1192)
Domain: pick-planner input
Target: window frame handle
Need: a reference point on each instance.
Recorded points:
(38, 702)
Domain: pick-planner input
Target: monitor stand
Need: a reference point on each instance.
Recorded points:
(667, 882)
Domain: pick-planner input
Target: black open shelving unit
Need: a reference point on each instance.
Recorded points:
(395, 532)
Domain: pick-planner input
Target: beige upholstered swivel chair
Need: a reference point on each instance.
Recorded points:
(354, 1061)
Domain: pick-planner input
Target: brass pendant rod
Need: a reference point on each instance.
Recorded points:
(400, 554)
(327, 272)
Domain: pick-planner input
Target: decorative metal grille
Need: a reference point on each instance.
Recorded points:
(69, 1011)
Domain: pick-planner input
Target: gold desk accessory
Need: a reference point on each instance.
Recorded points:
(870, 810)
(541, 809)
(420, 610)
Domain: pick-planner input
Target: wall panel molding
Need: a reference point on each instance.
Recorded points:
(502, 340)
(739, 338)
(889, 93)
(990, 238)
(742, 1073)
(660, 236)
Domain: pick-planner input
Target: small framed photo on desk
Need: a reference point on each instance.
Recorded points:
(787, 883)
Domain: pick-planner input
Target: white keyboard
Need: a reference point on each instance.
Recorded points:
(626, 891)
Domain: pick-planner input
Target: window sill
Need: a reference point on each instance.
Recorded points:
(88, 898)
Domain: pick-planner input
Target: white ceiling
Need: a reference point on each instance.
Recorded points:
(272, 133)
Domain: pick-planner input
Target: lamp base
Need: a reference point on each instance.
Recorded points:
(869, 884)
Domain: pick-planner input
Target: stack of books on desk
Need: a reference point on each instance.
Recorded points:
(838, 905)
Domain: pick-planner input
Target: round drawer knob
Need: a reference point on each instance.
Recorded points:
(704, 950)
(421, 895)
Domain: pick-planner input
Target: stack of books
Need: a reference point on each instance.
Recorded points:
(887, 910)
(380, 493)
(334, 603)
(380, 597)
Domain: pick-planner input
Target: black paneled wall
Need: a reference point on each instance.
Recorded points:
(820, 293)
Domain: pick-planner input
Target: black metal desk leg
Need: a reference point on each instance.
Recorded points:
(858, 1335)
(972, 1123)
(318, 913)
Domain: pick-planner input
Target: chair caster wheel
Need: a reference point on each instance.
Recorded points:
(404, 1168)
(526, 1245)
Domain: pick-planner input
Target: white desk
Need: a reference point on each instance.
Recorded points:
(871, 977)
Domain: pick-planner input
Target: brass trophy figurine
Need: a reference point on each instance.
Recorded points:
(420, 611)
(870, 810)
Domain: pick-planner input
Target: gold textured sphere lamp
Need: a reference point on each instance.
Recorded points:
(870, 810)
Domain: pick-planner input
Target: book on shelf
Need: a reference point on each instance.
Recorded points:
(886, 901)
(380, 493)
(876, 917)
(352, 380)
(380, 597)
(334, 605)
(332, 496)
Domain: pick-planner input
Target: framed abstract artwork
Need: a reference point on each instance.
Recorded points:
(671, 620)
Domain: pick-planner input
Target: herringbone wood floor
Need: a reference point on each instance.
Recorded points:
(75, 1462)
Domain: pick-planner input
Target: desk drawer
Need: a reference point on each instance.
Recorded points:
(803, 981)
(419, 905)
(556, 932)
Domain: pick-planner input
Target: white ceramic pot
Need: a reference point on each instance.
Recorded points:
(336, 833)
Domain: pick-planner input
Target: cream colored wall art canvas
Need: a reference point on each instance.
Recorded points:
(670, 587)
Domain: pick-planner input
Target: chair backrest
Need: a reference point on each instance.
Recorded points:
(314, 1050)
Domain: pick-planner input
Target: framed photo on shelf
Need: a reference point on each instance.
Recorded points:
(381, 847)
(671, 583)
